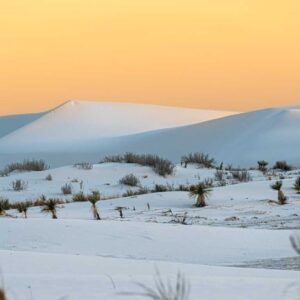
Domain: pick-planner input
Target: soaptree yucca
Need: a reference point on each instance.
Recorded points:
(201, 192)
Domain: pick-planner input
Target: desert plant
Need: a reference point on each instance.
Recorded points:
(219, 175)
(66, 189)
(159, 165)
(130, 180)
(26, 165)
(281, 197)
(4, 205)
(19, 185)
(282, 165)
(201, 159)
(50, 207)
(241, 176)
(295, 240)
(93, 199)
(201, 192)
(297, 184)
(22, 207)
(79, 197)
(262, 165)
(83, 166)
(120, 210)
(159, 188)
(49, 177)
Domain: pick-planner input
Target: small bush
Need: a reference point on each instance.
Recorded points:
(66, 189)
(140, 191)
(297, 185)
(241, 176)
(83, 166)
(201, 159)
(26, 165)
(159, 165)
(19, 185)
(94, 196)
(4, 205)
(49, 177)
(262, 165)
(130, 180)
(79, 197)
(282, 165)
(277, 185)
(219, 175)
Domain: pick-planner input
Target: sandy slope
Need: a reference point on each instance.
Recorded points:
(80, 124)
(271, 134)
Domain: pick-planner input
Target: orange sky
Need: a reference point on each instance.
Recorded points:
(231, 54)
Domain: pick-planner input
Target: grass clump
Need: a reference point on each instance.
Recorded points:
(66, 189)
(130, 180)
(241, 176)
(26, 165)
(159, 165)
(83, 166)
(19, 185)
(4, 205)
(49, 177)
(22, 207)
(201, 159)
(79, 197)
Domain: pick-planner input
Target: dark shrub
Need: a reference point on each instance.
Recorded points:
(262, 165)
(282, 165)
(201, 159)
(26, 165)
(4, 205)
(48, 177)
(79, 197)
(19, 185)
(66, 189)
(241, 176)
(159, 165)
(130, 180)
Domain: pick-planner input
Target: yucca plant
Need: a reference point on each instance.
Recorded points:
(22, 208)
(50, 207)
(201, 192)
(297, 185)
(4, 205)
(93, 199)
(277, 187)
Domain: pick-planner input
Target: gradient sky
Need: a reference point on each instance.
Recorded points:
(231, 54)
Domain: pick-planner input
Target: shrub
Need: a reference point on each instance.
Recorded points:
(262, 165)
(4, 205)
(93, 199)
(19, 185)
(22, 207)
(79, 197)
(297, 185)
(201, 192)
(201, 159)
(26, 165)
(66, 189)
(130, 180)
(241, 176)
(277, 185)
(159, 165)
(83, 166)
(50, 206)
(282, 165)
(48, 177)
(219, 175)
(281, 197)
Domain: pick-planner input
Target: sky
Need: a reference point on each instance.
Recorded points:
(217, 54)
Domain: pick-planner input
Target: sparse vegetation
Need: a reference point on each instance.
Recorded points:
(241, 176)
(281, 197)
(4, 205)
(262, 165)
(297, 184)
(50, 207)
(66, 189)
(282, 165)
(159, 165)
(49, 177)
(22, 207)
(130, 180)
(18, 185)
(83, 166)
(201, 192)
(79, 197)
(26, 165)
(201, 159)
(219, 175)
(93, 199)
(120, 210)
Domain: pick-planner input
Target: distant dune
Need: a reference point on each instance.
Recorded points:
(79, 130)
